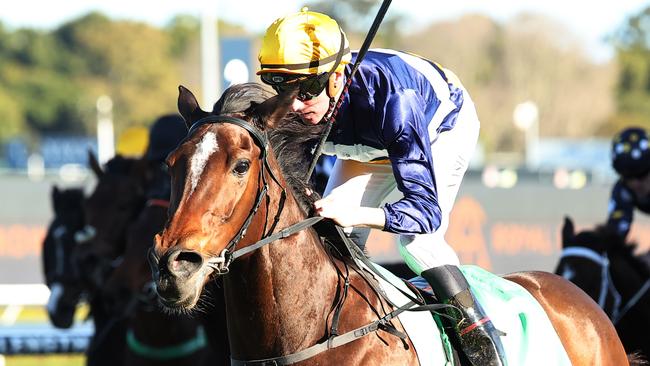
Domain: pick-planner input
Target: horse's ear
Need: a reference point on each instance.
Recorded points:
(274, 109)
(94, 164)
(188, 106)
(568, 230)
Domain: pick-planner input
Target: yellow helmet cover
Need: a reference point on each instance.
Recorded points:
(306, 42)
(132, 142)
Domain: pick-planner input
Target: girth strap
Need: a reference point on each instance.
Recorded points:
(338, 341)
(335, 340)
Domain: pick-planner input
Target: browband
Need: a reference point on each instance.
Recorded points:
(258, 136)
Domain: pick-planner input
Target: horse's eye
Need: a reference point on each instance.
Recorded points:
(242, 167)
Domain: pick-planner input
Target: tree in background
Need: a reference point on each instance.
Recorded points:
(356, 17)
(632, 43)
(527, 58)
(50, 81)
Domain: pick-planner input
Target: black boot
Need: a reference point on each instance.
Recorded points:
(477, 336)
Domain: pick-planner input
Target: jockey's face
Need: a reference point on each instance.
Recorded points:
(313, 110)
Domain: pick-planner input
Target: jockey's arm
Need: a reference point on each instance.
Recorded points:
(335, 208)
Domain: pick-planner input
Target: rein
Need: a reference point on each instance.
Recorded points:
(606, 282)
(605, 278)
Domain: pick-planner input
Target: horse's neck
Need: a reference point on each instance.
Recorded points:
(278, 298)
(625, 274)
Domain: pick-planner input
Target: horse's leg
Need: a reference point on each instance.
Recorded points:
(586, 332)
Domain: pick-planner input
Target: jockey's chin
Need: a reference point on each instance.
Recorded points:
(312, 111)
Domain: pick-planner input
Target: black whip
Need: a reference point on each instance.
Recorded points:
(329, 120)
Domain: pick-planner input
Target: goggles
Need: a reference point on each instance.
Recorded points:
(309, 86)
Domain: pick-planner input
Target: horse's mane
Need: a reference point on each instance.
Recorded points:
(291, 141)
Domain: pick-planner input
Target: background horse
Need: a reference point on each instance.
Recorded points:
(114, 203)
(154, 337)
(601, 263)
(229, 192)
(60, 275)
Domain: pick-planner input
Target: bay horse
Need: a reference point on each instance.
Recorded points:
(61, 277)
(600, 262)
(229, 192)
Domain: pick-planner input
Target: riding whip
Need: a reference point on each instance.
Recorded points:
(329, 120)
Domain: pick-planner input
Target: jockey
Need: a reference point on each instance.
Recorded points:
(631, 160)
(406, 125)
(165, 134)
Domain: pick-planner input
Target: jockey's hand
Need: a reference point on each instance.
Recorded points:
(347, 215)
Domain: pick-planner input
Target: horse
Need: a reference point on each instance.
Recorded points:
(154, 337)
(287, 299)
(600, 262)
(60, 275)
(116, 199)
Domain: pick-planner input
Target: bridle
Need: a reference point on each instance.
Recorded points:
(220, 263)
(606, 283)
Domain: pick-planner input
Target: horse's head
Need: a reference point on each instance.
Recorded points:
(222, 174)
(599, 240)
(60, 273)
(116, 200)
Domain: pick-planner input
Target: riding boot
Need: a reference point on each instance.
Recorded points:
(477, 336)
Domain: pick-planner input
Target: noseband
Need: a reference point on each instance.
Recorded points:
(221, 262)
(606, 285)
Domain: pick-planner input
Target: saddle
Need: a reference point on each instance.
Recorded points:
(531, 339)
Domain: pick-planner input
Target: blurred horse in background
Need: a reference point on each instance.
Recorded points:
(288, 300)
(117, 198)
(601, 263)
(61, 277)
(153, 336)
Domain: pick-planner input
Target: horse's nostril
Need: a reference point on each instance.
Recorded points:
(185, 263)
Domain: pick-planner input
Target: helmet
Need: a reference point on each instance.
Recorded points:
(631, 153)
(132, 141)
(304, 43)
(164, 136)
